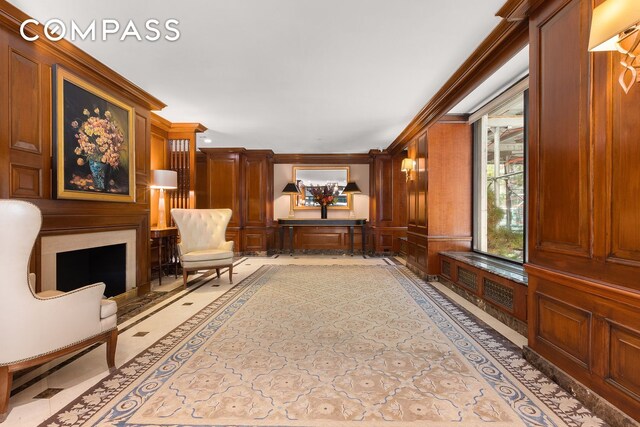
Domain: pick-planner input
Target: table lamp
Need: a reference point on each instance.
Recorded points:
(163, 180)
(292, 189)
(351, 188)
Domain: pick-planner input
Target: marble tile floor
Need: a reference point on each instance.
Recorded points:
(43, 391)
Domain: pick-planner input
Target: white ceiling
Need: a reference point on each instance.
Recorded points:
(300, 76)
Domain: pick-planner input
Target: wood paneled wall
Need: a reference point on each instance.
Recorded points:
(387, 202)
(26, 138)
(584, 209)
(240, 180)
(439, 194)
(163, 132)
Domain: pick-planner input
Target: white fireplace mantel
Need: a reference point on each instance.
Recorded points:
(52, 245)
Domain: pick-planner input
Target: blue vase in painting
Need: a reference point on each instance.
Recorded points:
(98, 170)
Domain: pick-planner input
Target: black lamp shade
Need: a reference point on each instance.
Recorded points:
(291, 188)
(351, 187)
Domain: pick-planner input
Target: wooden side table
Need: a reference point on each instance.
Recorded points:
(167, 238)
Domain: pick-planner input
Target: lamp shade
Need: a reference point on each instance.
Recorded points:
(351, 187)
(407, 165)
(291, 188)
(165, 179)
(610, 19)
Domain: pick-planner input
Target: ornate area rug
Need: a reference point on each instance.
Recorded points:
(328, 346)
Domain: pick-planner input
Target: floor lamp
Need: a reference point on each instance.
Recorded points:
(163, 180)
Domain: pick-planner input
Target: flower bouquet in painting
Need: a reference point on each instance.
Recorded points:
(100, 142)
(324, 195)
(94, 142)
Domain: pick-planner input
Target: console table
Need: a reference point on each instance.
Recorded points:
(350, 223)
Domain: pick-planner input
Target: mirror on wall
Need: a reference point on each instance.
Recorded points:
(334, 177)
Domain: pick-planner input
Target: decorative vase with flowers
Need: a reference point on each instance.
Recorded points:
(100, 142)
(324, 195)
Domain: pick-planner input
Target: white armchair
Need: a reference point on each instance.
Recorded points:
(37, 328)
(203, 242)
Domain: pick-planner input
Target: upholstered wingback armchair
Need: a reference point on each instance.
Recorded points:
(36, 328)
(203, 244)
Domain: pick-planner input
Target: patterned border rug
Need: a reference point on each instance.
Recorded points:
(328, 346)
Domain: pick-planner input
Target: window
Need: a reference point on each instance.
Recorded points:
(499, 176)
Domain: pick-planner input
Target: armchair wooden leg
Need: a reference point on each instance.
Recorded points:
(231, 273)
(6, 377)
(112, 341)
(185, 274)
(218, 272)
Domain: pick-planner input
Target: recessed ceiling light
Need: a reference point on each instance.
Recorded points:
(207, 140)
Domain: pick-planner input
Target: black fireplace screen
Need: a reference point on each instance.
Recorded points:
(108, 264)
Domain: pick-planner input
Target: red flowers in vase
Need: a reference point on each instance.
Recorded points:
(324, 195)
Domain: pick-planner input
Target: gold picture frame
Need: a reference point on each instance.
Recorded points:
(320, 175)
(94, 142)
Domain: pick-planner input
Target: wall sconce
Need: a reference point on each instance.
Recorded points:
(615, 25)
(351, 188)
(292, 189)
(163, 180)
(408, 165)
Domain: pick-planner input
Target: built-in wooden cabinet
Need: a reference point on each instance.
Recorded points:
(584, 209)
(240, 180)
(387, 202)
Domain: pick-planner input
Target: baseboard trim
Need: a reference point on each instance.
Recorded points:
(590, 399)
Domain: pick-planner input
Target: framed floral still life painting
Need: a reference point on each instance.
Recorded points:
(93, 142)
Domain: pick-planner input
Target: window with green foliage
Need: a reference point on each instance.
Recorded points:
(499, 179)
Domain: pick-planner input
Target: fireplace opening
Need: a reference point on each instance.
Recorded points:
(108, 264)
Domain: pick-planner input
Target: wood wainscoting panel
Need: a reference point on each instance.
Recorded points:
(559, 160)
(255, 194)
(417, 251)
(589, 330)
(318, 238)
(142, 158)
(224, 186)
(258, 179)
(624, 358)
(235, 234)
(255, 240)
(26, 182)
(450, 180)
(25, 100)
(202, 181)
(625, 178)
(384, 187)
(565, 327)
(420, 174)
(387, 202)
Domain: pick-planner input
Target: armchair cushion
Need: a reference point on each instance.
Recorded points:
(207, 255)
(108, 308)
